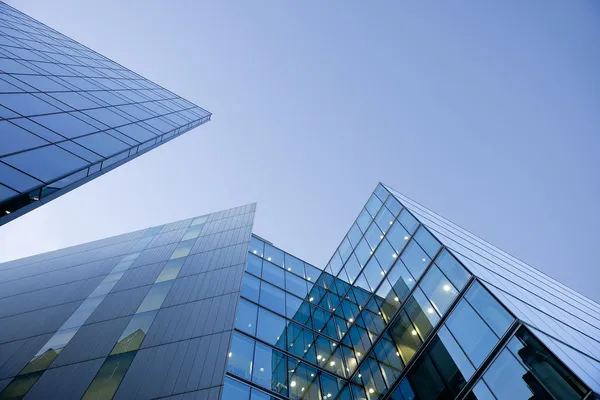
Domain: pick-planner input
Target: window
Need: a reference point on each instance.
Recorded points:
(271, 328)
(26, 104)
(427, 241)
(295, 285)
(453, 270)
(274, 255)
(384, 219)
(193, 232)
(250, 287)
(505, 378)
(490, 310)
(135, 332)
(199, 220)
(170, 270)
(257, 246)
(109, 376)
(254, 264)
(235, 390)
(386, 255)
(155, 297)
(409, 222)
(292, 305)
(273, 274)
(245, 319)
(363, 220)
(46, 163)
(66, 124)
(311, 273)
(239, 358)
(474, 335)
(183, 249)
(270, 369)
(438, 289)
(294, 265)
(17, 139)
(415, 259)
(441, 371)
(272, 298)
(373, 236)
(373, 205)
(354, 235)
(546, 368)
(392, 204)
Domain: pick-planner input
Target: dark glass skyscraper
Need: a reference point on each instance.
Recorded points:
(69, 114)
(410, 306)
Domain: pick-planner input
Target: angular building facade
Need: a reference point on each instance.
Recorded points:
(69, 114)
(410, 306)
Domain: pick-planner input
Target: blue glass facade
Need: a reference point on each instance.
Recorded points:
(398, 313)
(203, 309)
(69, 114)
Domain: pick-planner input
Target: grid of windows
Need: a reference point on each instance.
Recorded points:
(399, 315)
(68, 114)
(564, 320)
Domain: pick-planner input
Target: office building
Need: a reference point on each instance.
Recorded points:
(410, 306)
(69, 114)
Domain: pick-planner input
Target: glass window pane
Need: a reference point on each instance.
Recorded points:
(311, 273)
(438, 289)
(273, 255)
(492, 312)
(415, 259)
(245, 319)
(384, 219)
(475, 337)
(363, 220)
(241, 353)
(46, 163)
(393, 205)
(427, 241)
(292, 264)
(295, 285)
(271, 328)
(453, 270)
(272, 297)
(270, 369)
(373, 205)
(257, 246)
(235, 390)
(250, 287)
(354, 235)
(292, 305)
(155, 297)
(505, 378)
(373, 236)
(135, 332)
(386, 255)
(254, 264)
(109, 376)
(193, 232)
(273, 274)
(183, 249)
(409, 222)
(398, 237)
(199, 220)
(171, 270)
(546, 368)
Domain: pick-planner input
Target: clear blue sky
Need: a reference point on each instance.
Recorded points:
(486, 112)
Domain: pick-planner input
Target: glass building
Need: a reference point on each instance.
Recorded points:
(410, 306)
(69, 114)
